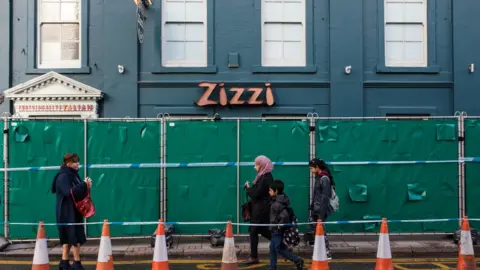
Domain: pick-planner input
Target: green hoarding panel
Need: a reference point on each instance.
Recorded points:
(128, 195)
(281, 141)
(418, 191)
(201, 194)
(2, 194)
(472, 170)
(32, 144)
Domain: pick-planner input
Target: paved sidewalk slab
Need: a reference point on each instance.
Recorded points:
(190, 247)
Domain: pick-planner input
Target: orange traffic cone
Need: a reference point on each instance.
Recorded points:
(384, 254)
(319, 260)
(229, 258)
(160, 256)
(105, 258)
(466, 258)
(40, 257)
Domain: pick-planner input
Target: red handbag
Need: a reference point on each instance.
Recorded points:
(85, 206)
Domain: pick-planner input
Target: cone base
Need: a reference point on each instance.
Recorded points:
(105, 265)
(41, 267)
(160, 266)
(384, 264)
(466, 262)
(229, 266)
(319, 265)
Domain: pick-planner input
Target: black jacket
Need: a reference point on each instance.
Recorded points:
(260, 199)
(279, 213)
(322, 191)
(66, 180)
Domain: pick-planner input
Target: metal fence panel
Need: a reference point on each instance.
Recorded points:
(33, 144)
(281, 141)
(124, 194)
(201, 193)
(472, 181)
(400, 191)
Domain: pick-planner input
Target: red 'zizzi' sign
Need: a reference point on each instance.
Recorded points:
(223, 100)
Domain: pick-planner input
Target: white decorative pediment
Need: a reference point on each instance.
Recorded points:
(52, 87)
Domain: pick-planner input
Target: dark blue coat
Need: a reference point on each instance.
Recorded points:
(66, 180)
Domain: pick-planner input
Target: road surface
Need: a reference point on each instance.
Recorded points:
(7, 263)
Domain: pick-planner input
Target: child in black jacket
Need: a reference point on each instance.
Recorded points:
(279, 214)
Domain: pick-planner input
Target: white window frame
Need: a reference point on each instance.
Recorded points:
(283, 62)
(60, 63)
(185, 63)
(424, 22)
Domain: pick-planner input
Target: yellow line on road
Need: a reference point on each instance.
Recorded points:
(206, 262)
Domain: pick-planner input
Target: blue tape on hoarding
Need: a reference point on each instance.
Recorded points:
(142, 223)
(233, 164)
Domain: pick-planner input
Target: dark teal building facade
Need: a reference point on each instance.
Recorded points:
(337, 35)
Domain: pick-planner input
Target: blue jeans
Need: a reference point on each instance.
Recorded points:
(277, 247)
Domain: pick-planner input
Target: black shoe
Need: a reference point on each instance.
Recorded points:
(300, 264)
(77, 265)
(271, 268)
(64, 265)
(252, 261)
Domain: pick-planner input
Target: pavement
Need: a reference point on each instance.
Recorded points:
(342, 264)
(184, 247)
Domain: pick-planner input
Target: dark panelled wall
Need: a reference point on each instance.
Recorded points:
(337, 37)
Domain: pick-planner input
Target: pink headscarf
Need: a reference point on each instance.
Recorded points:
(265, 165)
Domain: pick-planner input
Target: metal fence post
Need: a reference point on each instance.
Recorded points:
(312, 128)
(85, 167)
(164, 182)
(461, 142)
(162, 161)
(238, 176)
(5, 180)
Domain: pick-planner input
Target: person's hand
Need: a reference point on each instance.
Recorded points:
(88, 181)
(247, 184)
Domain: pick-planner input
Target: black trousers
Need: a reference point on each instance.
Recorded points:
(254, 232)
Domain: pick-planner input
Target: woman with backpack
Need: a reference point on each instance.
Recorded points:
(320, 207)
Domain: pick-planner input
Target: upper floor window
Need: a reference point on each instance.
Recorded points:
(283, 33)
(184, 33)
(58, 34)
(406, 33)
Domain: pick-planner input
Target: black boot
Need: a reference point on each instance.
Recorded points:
(77, 265)
(64, 265)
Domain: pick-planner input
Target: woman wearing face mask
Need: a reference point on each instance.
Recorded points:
(67, 184)
(260, 204)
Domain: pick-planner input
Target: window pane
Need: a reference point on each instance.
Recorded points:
(293, 11)
(413, 32)
(50, 51)
(394, 12)
(175, 11)
(394, 32)
(272, 11)
(273, 32)
(273, 50)
(394, 51)
(415, 12)
(50, 12)
(195, 11)
(70, 51)
(293, 54)
(174, 32)
(174, 51)
(194, 52)
(414, 51)
(70, 32)
(195, 32)
(70, 12)
(293, 32)
(50, 32)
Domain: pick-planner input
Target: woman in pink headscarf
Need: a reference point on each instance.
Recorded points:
(260, 204)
